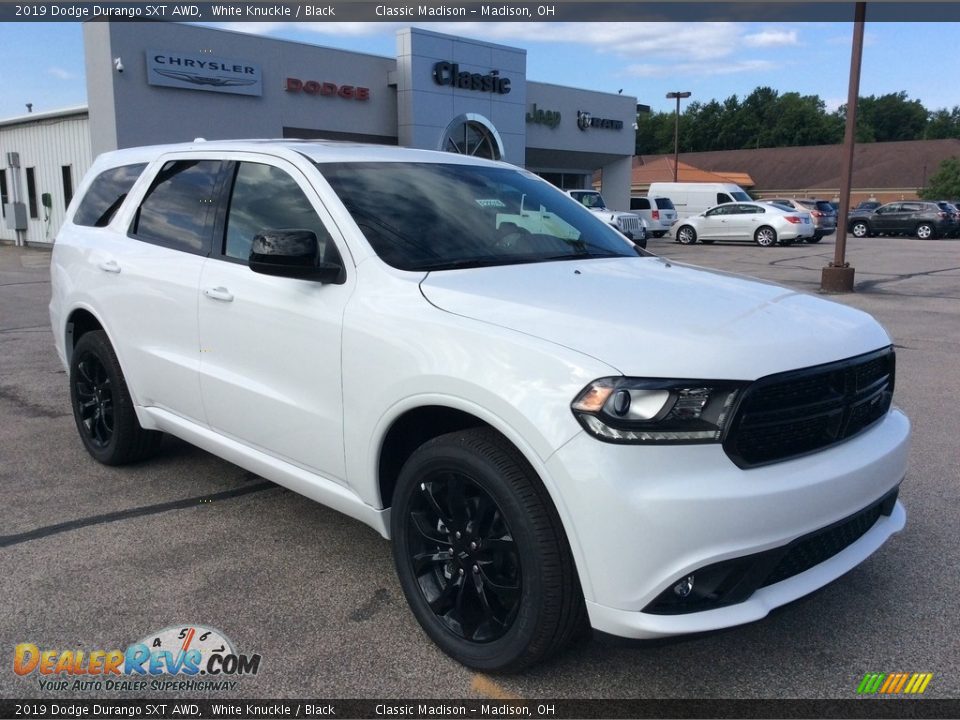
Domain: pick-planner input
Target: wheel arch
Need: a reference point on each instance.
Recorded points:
(414, 425)
(80, 321)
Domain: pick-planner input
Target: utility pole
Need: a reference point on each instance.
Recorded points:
(676, 130)
(838, 275)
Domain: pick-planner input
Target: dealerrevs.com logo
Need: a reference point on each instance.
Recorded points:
(178, 658)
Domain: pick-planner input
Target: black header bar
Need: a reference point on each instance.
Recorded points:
(485, 709)
(414, 12)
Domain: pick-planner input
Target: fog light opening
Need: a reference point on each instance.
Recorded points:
(683, 588)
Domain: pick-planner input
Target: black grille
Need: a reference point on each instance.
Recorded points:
(789, 414)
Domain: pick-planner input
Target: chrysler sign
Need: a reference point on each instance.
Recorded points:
(203, 72)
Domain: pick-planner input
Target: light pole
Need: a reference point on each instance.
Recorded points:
(838, 275)
(676, 130)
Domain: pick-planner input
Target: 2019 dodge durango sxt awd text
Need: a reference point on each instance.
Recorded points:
(551, 426)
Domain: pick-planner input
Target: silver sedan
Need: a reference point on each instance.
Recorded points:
(763, 223)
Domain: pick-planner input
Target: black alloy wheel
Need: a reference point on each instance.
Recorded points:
(481, 554)
(102, 407)
(93, 393)
(464, 557)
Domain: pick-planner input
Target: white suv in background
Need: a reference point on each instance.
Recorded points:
(658, 213)
(362, 325)
(630, 224)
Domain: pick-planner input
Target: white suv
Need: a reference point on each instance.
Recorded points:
(361, 325)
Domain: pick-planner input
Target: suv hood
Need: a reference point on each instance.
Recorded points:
(654, 318)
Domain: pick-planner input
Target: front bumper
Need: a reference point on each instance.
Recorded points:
(643, 516)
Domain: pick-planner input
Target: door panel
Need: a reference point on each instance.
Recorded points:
(270, 373)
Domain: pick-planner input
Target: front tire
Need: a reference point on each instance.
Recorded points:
(686, 235)
(102, 407)
(765, 236)
(481, 555)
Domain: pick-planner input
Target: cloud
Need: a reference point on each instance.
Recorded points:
(771, 38)
(629, 40)
(61, 74)
(701, 68)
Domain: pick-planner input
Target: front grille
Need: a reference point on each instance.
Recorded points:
(790, 414)
(630, 224)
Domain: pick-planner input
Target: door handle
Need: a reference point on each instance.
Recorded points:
(110, 266)
(219, 293)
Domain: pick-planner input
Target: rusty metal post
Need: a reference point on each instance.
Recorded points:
(838, 275)
(676, 130)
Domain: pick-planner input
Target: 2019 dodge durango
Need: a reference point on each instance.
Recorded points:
(552, 426)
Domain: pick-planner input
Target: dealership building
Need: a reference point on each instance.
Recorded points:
(150, 83)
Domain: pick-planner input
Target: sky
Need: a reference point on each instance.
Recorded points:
(42, 63)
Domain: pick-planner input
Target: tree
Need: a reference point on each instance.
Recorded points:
(943, 123)
(944, 184)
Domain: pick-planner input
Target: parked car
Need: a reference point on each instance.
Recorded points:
(630, 224)
(952, 210)
(658, 213)
(693, 198)
(822, 212)
(926, 220)
(760, 222)
(350, 322)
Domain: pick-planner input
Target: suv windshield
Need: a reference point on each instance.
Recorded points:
(427, 216)
(741, 196)
(589, 199)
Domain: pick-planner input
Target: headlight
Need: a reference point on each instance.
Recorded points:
(638, 410)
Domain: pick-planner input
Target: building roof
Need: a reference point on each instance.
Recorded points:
(904, 164)
(653, 169)
(48, 115)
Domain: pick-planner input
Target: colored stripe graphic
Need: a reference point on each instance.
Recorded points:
(894, 683)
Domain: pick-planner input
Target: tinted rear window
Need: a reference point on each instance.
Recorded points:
(106, 195)
(664, 203)
(824, 206)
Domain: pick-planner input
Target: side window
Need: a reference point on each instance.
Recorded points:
(3, 193)
(177, 211)
(639, 204)
(267, 198)
(718, 211)
(106, 194)
(723, 198)
(66, 172)
(32, 192)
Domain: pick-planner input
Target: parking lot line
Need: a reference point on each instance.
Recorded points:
(37, 533)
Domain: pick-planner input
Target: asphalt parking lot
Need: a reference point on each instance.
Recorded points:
(314, 593)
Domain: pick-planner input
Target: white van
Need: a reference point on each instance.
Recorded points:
(690, 198)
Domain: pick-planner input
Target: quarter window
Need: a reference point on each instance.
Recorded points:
(267, 198)
(106, 194)
(178, 210)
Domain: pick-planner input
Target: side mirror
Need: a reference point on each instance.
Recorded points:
(293, 254)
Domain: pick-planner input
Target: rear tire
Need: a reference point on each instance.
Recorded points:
(765, 236)
(102, 407)
(481, 554)
(925, 231)
(815, 239)
(659, 233)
